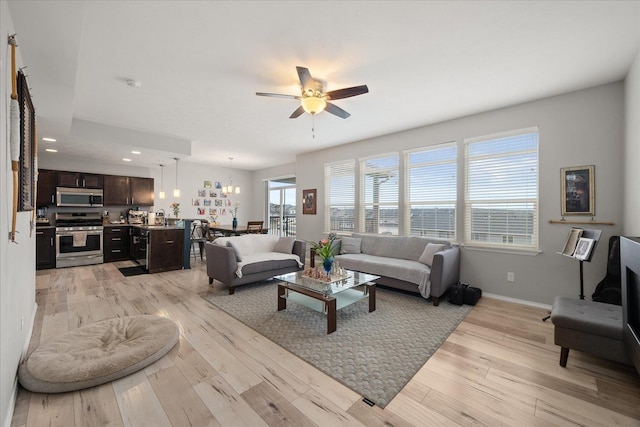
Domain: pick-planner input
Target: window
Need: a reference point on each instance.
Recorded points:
(340, 182)
(379, 200)
(501, 190)
(432, 191)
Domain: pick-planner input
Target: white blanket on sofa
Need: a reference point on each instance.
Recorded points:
(265, 256)
(401, 269)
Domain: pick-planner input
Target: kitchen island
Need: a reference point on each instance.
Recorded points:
(157, 248)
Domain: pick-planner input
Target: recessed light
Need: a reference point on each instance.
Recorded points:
(126, 160)
(49, 139)
(136, 152)
(51, 150)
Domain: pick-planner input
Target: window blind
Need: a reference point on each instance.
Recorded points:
(379, 178)
(431, 193)
(501, 190)
(341, 196)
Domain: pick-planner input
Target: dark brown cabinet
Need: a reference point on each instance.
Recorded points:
(165, 250)
(141, 191)
(45, 248)
(116, 243)
(116, 190)
(127, 191)
(79, 180)
(46, 187)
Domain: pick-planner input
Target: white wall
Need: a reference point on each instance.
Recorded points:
(191, 177)
(17, 260)
(579, 128)
(632, 150)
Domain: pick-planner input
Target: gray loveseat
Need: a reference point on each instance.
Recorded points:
(397, 260)
(251, 258)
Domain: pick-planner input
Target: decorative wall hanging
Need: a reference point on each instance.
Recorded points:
(578, 190)
(27, 145)
(309, 201)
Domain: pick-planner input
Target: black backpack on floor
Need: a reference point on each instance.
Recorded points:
(456, 294)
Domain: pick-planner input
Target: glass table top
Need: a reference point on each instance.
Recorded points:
(350, 280)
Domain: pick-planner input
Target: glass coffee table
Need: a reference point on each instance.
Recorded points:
(327, 297)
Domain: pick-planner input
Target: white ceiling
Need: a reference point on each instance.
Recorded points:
(201, 62)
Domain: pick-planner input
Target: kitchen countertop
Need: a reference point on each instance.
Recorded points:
(156, 227)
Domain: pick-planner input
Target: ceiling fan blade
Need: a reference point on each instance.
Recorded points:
(277, 95)
(305, 77)
(337, 111)
(299, 111)
(347, 92)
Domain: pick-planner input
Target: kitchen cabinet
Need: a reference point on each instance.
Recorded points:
(141, 191)
(116, 243)
(79, 180)
(165, 250)
(116, 190)
(127, 191)
(46, 187)
(45, 248)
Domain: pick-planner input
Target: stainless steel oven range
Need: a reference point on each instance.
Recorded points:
(79, 239)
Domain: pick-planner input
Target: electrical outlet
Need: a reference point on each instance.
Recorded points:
(511, 276)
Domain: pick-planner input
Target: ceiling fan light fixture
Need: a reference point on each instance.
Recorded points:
(313, 104)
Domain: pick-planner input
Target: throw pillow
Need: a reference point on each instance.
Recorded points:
(350, 245)
(236, 250)
(428, 253)
(285, 244)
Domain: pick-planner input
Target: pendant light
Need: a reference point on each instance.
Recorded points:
(162, 195)
(176, 190)
(229, 188)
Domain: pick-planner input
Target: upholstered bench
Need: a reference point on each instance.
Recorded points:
(591, 327)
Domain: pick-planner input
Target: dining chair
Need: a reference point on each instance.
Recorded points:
(254, 227)
(198, 235)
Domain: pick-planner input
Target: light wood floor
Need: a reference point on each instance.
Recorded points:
(500, 367)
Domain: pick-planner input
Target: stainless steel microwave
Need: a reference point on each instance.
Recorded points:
(84, 197)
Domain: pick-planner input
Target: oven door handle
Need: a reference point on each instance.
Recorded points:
(71, 233)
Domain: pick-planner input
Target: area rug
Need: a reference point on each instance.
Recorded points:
(375, 354)
(131, 271)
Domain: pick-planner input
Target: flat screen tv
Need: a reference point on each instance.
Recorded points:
(630, 270)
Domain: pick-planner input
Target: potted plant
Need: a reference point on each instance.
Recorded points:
(325, 249)
(176, 208)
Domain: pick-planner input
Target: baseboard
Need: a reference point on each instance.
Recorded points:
(518, 301)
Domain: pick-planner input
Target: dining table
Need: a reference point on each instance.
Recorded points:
(228, 230)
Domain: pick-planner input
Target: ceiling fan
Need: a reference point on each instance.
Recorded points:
(314, 99)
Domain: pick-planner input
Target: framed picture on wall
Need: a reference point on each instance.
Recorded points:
(578, 190)
(309, 201)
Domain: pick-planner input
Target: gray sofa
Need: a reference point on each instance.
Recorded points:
(396, 260)
(263, 263)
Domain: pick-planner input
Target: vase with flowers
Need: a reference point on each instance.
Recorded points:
(234, 214)
(176, 208)
(325, 249)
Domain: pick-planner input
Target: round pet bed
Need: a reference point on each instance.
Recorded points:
(97, 353)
